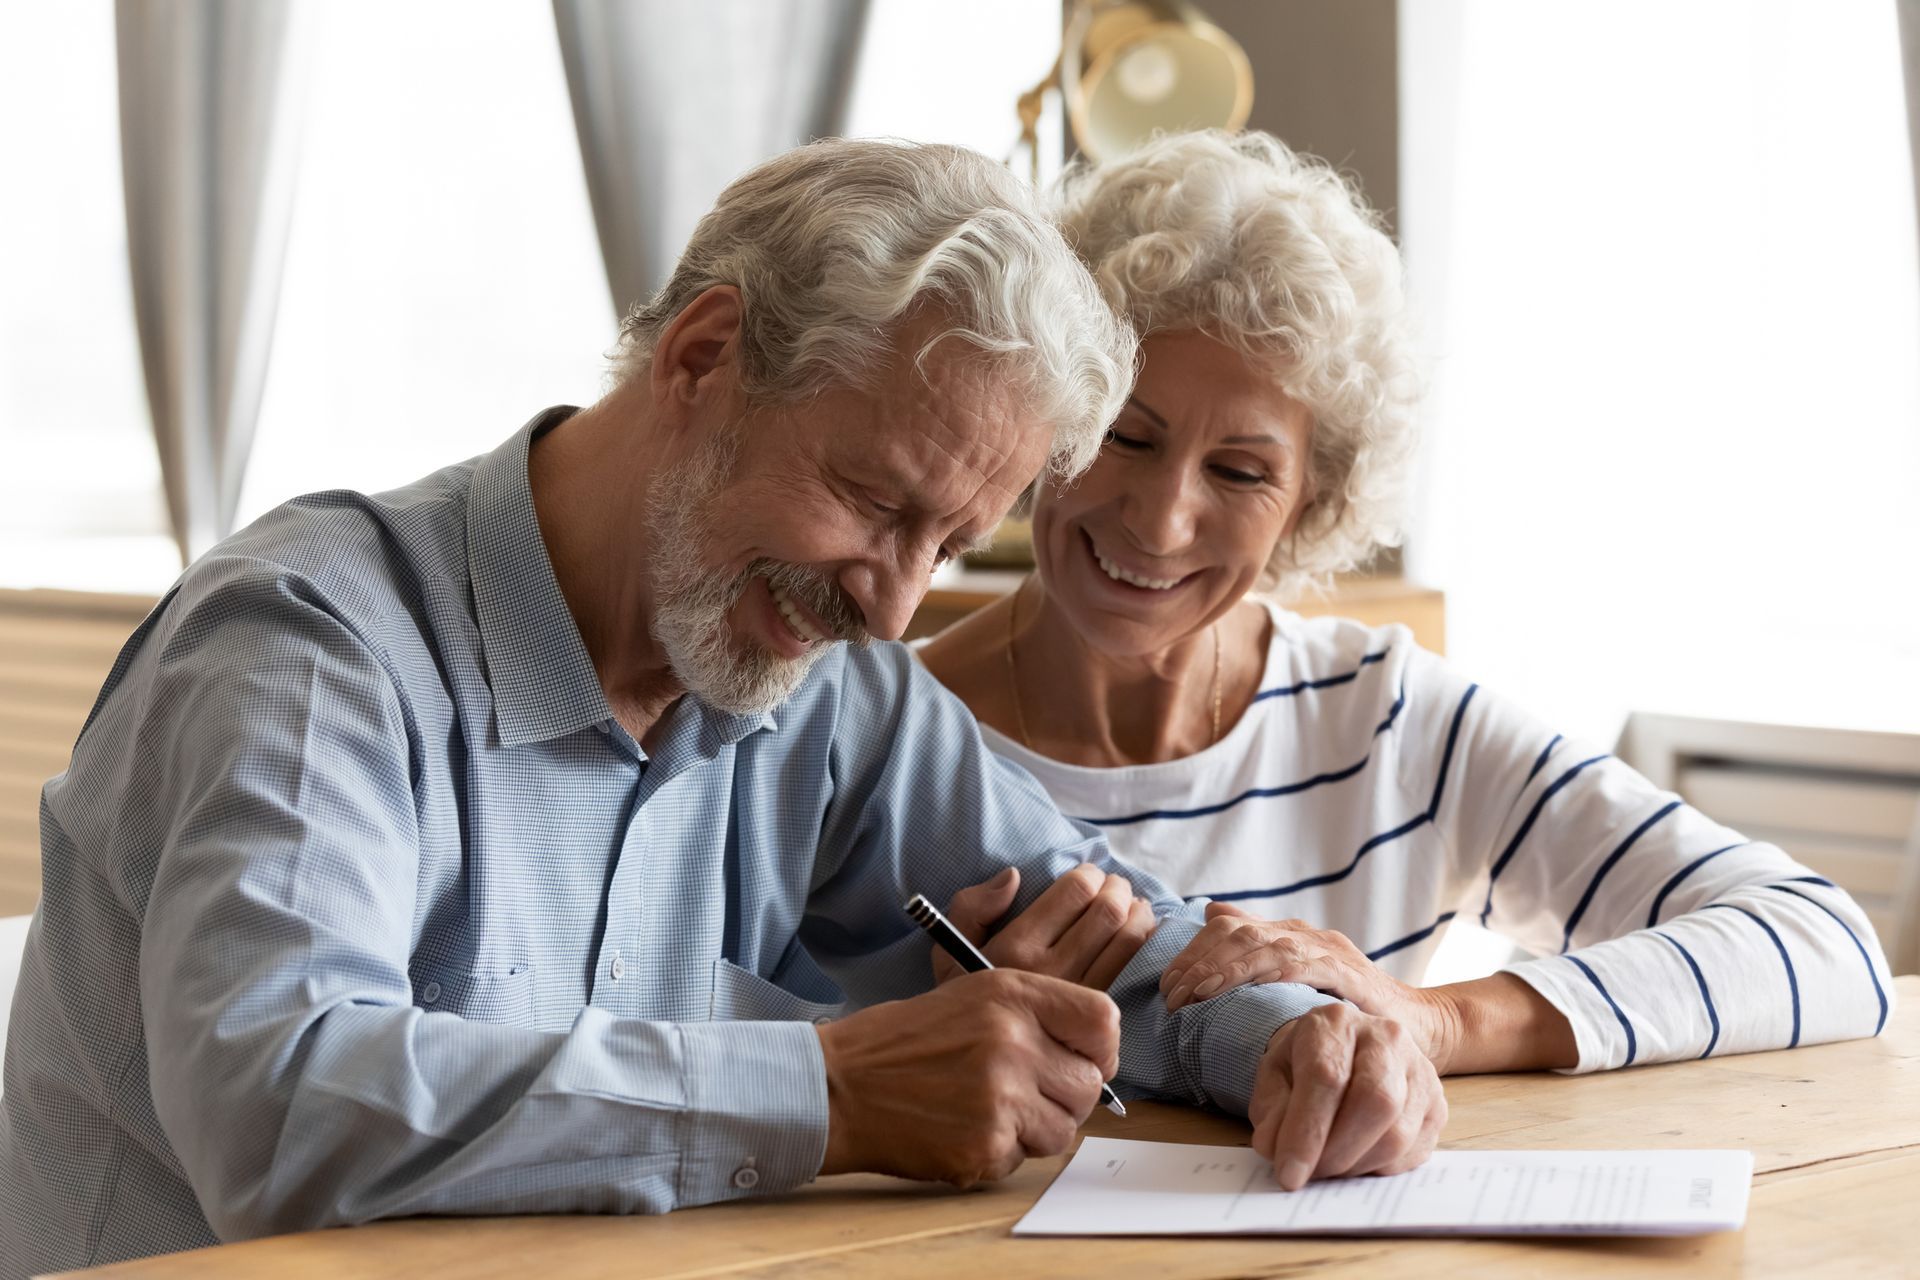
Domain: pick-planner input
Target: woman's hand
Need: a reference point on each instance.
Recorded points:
(1236, 948)
(1084, 928)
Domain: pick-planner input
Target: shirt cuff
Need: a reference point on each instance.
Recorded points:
(756, 1120)
(1239, 1024)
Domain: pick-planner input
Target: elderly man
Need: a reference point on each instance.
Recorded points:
(517, 841)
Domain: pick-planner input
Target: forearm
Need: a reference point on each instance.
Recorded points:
(397, 1113)
(1499, 1023)
(1761, 967)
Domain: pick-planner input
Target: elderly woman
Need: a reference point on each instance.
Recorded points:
(1326, 772)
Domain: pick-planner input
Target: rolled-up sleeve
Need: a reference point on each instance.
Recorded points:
(293, 1071)
(1207, 1053)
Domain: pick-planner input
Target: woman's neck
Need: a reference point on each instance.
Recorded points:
(1078, 705)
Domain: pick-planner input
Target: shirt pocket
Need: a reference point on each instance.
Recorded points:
(741, 996)
(501, 993)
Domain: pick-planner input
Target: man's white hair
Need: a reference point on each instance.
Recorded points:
(835, 245)
(1275, 255)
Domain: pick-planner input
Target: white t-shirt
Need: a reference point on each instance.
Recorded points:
(1373, 790)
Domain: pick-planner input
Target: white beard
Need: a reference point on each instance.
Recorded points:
(691, 603)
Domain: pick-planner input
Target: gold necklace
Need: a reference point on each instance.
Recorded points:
(1013, 672)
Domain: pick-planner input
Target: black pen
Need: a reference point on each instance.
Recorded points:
(968, 957)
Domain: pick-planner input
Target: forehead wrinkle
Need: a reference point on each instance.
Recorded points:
(978, 447)
(978, 505)
(950, 434)
(971, 494)
(982, 449)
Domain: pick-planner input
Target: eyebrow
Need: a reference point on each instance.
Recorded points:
(1161, 422)
(1150, 411)
(972, 545)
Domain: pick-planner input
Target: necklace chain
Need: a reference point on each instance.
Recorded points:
(1013, 672)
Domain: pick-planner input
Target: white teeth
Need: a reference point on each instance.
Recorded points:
(794, 618)
(1115, 572)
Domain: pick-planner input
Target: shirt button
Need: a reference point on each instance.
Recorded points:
(618, 968)
(746, 1177)
(430, 992)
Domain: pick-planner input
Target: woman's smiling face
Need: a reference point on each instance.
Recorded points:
(1201, 475)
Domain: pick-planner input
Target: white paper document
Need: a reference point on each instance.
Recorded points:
(1122, 1188)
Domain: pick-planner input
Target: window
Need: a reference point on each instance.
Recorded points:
(443, 278)
(1665, 256)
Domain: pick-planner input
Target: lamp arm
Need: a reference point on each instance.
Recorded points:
(1029, 107)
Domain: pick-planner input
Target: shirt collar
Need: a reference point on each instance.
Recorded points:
(544, 683)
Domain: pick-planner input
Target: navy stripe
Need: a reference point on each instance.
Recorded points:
(1373, 842)
(1383, 952)
(1326, 682)
(1446, 757)
(1393, 713)
(1659, 899)
(1878, 991)
(1706, 995)
(1314, 882)
(1819, 880)
(1541, 763)
(1633, 1045)
(1513, 845)
(1260, 793)
(1593, 886)
(1793, 983)
(1255, 793)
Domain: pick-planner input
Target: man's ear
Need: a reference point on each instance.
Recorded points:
(697, 355)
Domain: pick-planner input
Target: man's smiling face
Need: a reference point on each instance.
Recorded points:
(794, 527)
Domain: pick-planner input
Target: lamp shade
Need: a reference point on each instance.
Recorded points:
(1137, 67)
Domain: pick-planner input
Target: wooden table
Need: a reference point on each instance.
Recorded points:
(1834, 1130)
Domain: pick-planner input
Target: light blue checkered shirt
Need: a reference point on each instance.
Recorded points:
(358, 903)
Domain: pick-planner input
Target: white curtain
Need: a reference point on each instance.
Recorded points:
(208, 103)
(1664, 253)
(1910, 59)
(673, 101)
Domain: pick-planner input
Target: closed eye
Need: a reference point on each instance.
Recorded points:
(1238, 476)
(1132, 443)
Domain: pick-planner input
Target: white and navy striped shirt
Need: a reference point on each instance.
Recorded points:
(1372, 789)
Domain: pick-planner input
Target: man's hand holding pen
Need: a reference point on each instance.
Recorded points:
(965, 1082)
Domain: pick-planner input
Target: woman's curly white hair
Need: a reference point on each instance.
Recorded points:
(1274, 254)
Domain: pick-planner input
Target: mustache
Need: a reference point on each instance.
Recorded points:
(845, 620)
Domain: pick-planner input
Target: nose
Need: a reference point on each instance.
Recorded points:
(1159, 512)
(887, 592)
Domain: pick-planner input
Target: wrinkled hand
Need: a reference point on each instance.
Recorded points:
(963, 1083)
(1084, 928)
(1235, 948)
(1341, 1092)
